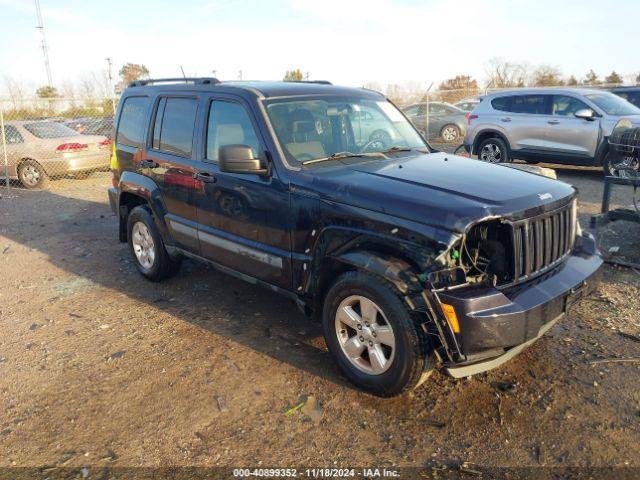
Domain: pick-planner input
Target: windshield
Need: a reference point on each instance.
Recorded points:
(50, 130)
(613, 104)
(318, 127)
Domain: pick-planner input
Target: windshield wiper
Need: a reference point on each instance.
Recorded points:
(335, 156)
(395, 149)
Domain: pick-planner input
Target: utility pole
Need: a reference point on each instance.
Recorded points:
(109, 75)
(43, 43)
(111, 91)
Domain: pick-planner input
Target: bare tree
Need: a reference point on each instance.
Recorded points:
(502, 73)
(15, 90)
(547, 76)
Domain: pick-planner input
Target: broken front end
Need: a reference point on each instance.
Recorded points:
(507, 281)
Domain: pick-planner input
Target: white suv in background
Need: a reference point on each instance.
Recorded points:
(556, 125)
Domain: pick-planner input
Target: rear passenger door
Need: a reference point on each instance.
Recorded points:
(526, 121)
(169, 162)
(576, 137)
(243, 219)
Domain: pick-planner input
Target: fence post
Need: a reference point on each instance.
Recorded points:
(4, 146)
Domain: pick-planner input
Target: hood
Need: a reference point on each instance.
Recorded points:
(437, 189)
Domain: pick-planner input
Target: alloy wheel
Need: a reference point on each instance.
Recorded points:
(31, 175)
(491, 153)
(143, 245)
(364, 334)
(449, 134)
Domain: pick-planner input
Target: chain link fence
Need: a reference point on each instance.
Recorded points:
(54, 139)
(47, 140)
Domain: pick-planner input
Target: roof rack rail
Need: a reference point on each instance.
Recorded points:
(321, 82)
(194, 80)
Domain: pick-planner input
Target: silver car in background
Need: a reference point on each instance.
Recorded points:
(567, 126)
(444, 121)
(37, 150)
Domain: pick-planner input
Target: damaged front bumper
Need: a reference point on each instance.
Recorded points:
(496, 324)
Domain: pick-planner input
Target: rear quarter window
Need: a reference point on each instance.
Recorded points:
(133, 121)
(501, 103)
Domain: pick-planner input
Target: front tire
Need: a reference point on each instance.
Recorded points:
(372, 337)
(147, 248)
(493, 150)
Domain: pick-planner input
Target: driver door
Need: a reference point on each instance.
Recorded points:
(243, 219)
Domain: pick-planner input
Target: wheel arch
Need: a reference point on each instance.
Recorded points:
(134, 190)
(486, 134)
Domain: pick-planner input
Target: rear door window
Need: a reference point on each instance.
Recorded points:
(132, 121)
(530, 104)
(174, 126)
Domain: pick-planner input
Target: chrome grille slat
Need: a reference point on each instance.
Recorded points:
(541, 241)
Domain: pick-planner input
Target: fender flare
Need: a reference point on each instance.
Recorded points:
(395, 270)
(138, 185)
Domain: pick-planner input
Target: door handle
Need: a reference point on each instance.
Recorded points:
(505, 119)
(149, 164)
(205, 177)
(553, 122)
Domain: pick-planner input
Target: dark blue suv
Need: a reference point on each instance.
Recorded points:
(408, 256)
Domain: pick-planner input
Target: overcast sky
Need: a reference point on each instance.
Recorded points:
(349, 42)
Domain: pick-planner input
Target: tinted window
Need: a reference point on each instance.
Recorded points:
(567, 106)
(634, 97)
(612, 104)
(531, 104)
(12, 135)
(411, 111)
(229, 124)
(132, 121)
(178, 122)
(501, 103)
(50, 130)
(437, 109)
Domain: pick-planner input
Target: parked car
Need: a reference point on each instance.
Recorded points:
(79, 124)
(468, 104)
(99, 126)
(556, 125)
(404, 255)
(37, 150)
(445, 121)
(630, 94)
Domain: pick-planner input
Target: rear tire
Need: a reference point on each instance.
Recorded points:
(32, 176)
(147, 248)
(494, 150)
(450, 133)
(400, 351)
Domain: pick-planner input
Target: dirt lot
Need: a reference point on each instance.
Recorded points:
(100, 368)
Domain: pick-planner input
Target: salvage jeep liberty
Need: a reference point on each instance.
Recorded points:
(408, 256)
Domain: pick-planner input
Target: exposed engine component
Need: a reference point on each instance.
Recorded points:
(487, 251)
(624, 149)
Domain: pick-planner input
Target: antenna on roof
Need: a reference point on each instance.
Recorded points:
(182, 70)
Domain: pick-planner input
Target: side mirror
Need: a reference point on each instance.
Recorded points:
(585, 114)
(239, 159)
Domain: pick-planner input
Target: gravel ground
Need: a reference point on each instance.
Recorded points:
(100, 368)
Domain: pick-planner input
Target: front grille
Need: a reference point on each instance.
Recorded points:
(543, 241)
